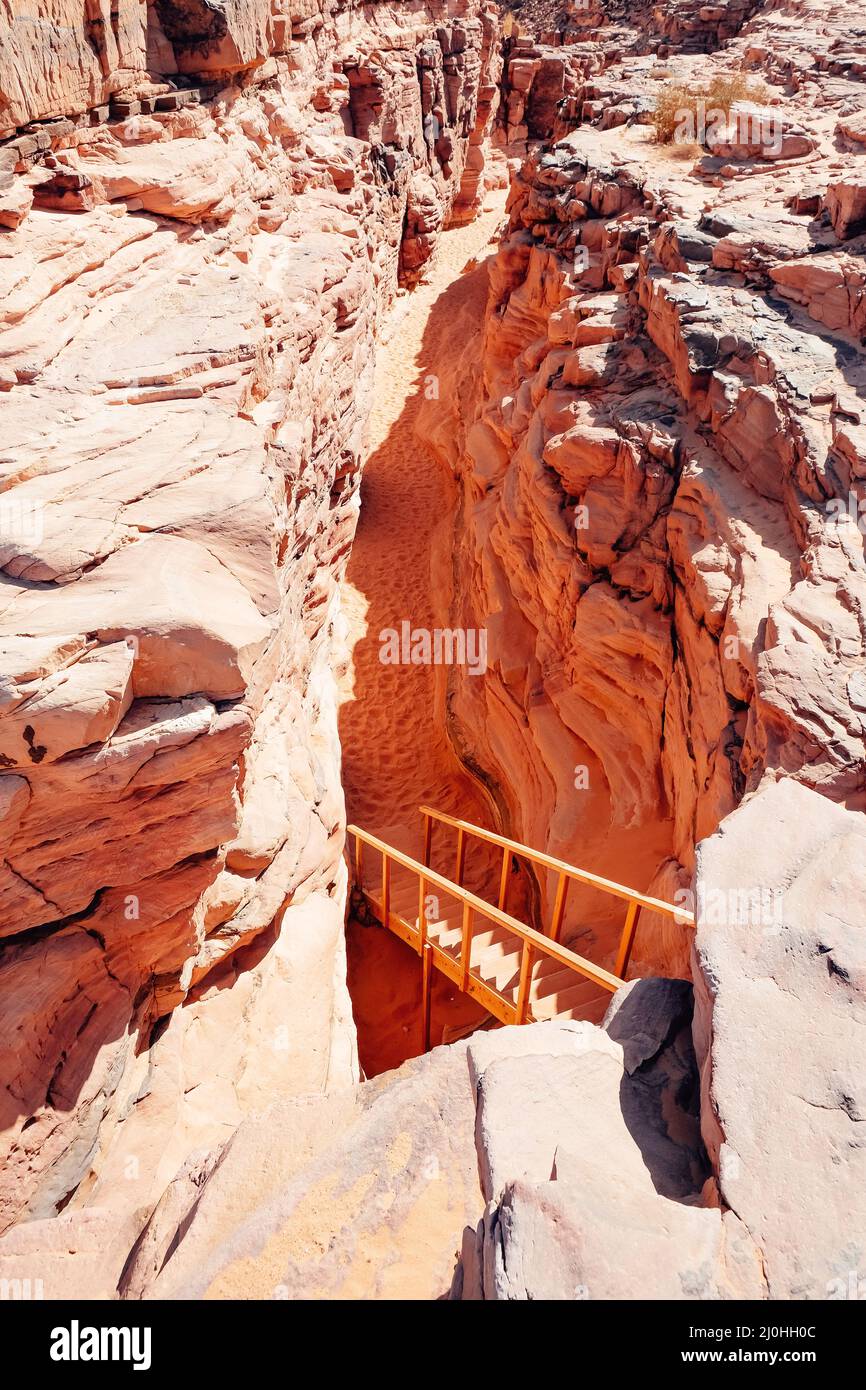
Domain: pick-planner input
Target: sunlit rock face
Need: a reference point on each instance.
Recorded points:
(206, 210)
(434, 1168)
(661, 446)
(779, 1118)
(658, 446)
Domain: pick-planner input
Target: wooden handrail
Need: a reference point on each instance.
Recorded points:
(547, 861)
(543, 944)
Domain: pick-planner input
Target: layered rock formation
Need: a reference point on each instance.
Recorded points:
(207, 211)
(489, 1138)
(779, 1011)
(658, 443)
(661, 453)
(659, 1156)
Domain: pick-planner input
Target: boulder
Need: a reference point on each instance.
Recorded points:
(594, 1171)
(780, 1005)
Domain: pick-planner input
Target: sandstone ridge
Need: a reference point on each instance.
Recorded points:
(648, 435)
(207, 212)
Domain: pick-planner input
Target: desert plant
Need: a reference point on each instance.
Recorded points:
(679, 106)
(729, 87)
(672, 100)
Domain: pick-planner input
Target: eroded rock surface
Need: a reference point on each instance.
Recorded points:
(369, 1197)
(779, 1017)
(207, 208)
(661, 450)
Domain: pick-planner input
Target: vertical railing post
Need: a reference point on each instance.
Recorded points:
(428, 837)
(461, 858)
(386, 889)
(559, 907)
(626, 941)
(422, 917)
(525, 980)
(426, 993)
(503, 879)
(359, 862)
(466, 946)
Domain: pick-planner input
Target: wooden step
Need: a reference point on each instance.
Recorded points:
(492, 937)
(446, 934)
(548, 982)
(555, 991)
(571, 999)
(499, 965)
(498, 947)
(591, 1012)
(548, 977)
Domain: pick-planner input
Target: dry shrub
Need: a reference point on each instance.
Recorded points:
(729, 87)
(672, 101)
(675, 100)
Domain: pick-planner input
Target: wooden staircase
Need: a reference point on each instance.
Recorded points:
(518, 974)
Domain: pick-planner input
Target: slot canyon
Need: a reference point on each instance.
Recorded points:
(397, 414)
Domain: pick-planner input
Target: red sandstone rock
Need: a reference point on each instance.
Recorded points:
(188, 315)
(660, 444)
(663, 554)
(521, 1133)
(407, 1160)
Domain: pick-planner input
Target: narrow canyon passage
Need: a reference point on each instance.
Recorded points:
(567, 541)
(396, 755)
(396, 752)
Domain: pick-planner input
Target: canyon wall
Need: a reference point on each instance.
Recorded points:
(206, 208)
(205, 211)
(693, 1147)
(661, 447)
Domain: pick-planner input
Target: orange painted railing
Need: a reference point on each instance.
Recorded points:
(457, 967)
(637, 902)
